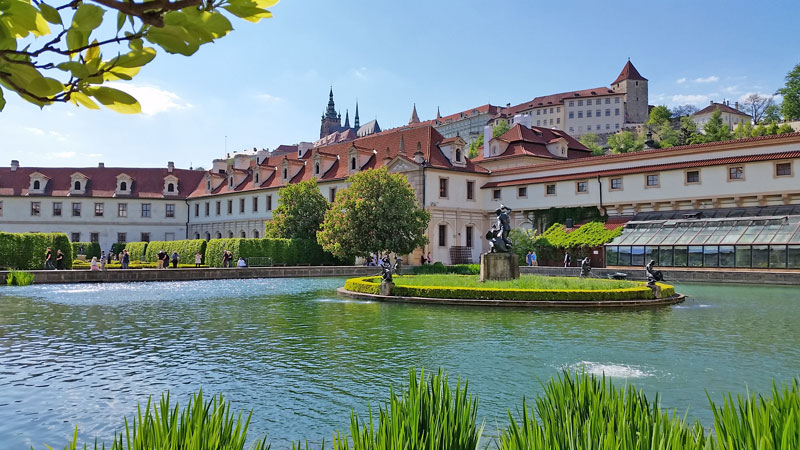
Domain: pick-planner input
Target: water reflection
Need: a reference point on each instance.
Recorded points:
(303, 358)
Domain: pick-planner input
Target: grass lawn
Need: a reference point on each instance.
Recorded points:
(524, 282)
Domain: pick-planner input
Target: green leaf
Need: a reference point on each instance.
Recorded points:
(2, 100)
(121, 73)
(50, 14)
(248, 12)
(120, 20)
(77, 39)
(45, 87)
(135, 44)
(136, 58)
(82, 99)
(92, 53)
(77, 69)
(115, 100)
(174, 39)
(87, 17)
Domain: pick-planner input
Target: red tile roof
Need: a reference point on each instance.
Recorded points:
(147, 182)
(720, 107)
(628, 73)
(524, 141)
(647, 168)
(556, 100)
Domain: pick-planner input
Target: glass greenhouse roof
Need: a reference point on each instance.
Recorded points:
(773, 230)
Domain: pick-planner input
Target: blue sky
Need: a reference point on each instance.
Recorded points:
(267, 84)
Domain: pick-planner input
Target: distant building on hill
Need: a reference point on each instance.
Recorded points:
(332, 131)
(730, 116)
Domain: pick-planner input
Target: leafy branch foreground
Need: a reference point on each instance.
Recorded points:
(576, 412)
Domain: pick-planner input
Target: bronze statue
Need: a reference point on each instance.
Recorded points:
(653, 276)
(498, 234)
(386, 269)
(586, 269)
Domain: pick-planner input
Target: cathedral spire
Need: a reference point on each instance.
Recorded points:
(346, 119)
(355, 120)
(331, 111)
(414, 117)
(438, 114)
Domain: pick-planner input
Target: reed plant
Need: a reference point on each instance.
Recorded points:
(760, 423)
(584, 412)
(19, 278)
(428, 416)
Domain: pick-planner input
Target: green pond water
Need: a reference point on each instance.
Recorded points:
(303, 358)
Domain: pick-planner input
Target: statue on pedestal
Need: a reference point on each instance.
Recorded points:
(653, 276)
(386, 269)
(498, 234)
(586, 269)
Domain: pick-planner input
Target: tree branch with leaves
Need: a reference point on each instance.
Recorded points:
(52, 54)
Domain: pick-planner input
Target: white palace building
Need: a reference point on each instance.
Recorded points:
(529, 169)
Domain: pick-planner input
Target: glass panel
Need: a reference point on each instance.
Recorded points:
(760, 256)
(632, 236)
(624, 255)
(736, 231)
(750, 233)
(695, 256)
(726, 256)
(795, 239)
(720, 233)
(742, 256)
(661, 235)
(784, 234)
(650, 254)
(665, 256)
(680, 256)
(647, 235)
(794, 256)
(710, 256)
(688, 236)
(705, 233)
(767, 234)
(777, 256)
(611, 255)
(637, 256)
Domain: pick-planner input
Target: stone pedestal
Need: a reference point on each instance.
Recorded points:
(656, 290)
(499, 266)
(386, 288)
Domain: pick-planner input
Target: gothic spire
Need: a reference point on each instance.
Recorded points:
(356, 121)
(438, 114)
(414, 117)
(346, 119)
(331, 111)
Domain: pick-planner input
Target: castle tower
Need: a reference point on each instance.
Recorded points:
(331, 122)
(414, 117)
(634, 86)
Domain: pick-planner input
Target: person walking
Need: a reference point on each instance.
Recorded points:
(227, 258)
(59, 260)
(103, 261)
(422, 259)
(198, 259)
(567, 259)
(429, 260)
(126, 259)
(175, 258)
(48, 260)
(162, 257)
(534, 260)
(528, 260)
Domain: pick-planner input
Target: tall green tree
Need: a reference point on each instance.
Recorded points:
(51, 52)
(659, 114)
(499, 129)
(772, 113)
(791, 95)
(785, 128)
(473, 147)
(715, 129)
(300, 212)
(592, 142)
(378, 212)
(688, 135)
(743, 130)
(625, 142)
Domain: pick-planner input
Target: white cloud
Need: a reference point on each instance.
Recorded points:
(36, 131)
(269, 98)
(708, 79)
(732, 90)
(154, 100)
(681, 80)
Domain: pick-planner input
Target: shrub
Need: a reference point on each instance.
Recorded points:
(136, 250)
(26, 251)
(460, 269)
(186, 249)
(117, 247)
(90, 249)
(280, 251)
(19, 278)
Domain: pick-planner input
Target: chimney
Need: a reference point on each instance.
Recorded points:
(711, 102)
(170, 166)
(508, 105)
(736, 105)
(101, 165)
(14, 165)
(487, 136)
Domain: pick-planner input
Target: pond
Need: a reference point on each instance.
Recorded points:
(302, 358)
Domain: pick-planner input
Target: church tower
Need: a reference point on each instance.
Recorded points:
(634, 86)
(331, 122)
(356, 124)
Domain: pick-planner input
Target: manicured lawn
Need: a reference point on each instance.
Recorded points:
(524, 282)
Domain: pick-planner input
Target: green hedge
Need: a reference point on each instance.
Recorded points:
(86, 265)
(437, 267)
(117, 247)
(371, 285)
(282, 251)
(186, 249)
(26, 251)
(89, 249)
(136, 250)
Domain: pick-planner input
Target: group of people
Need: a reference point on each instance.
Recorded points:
(426, 259)
(123, 257)
(227, 260)
(54, 262)
(530, 258)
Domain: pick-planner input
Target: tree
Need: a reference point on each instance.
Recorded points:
(772, 113)
(592, 142)
(377, 213)
(683, 110)
(659, 114)
(785, 128)
(743, 130)
(499, 129)
(688, 134)
(300, 212)
(790, 109)
(715, 130)
(625, 142)
(667, 136)
(65, 64)
(755, 105)
(473, 147)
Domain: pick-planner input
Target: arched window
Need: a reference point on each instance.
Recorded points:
(230, 182)
(230, 234)
(208, 185)
(353, 163)
(36, 184)
(197, 235)
(256, 177)
(219, 235)
(123, 186)
(419, 147)
(77, 185)
(316, 168)
(256, 234)
(242, 234)
(171, 187)
(208, 236)
(285, 173)
(458, 154)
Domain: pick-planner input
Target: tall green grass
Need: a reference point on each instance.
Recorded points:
(586, 412)
(429, 416)
(19, 278)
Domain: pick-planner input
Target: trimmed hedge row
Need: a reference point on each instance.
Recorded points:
(90, 249)
(438, 267)
(282, 251)
(371, 285)
(26, 251)
(186, 249)
(136, 250)
(86, 265)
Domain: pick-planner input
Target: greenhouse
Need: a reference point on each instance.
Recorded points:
(765, 242)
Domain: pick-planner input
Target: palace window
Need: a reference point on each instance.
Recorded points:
(616, 183)
(170, 210)
(582, 186)
(616, 111)
(468, 236)
(93, 237)
(332, 194)
(442, 235)
(208, 208)
(76, 237)
(442, 187)
(580, 114)
(580, 102)
(145, 209)
(550, 189)
(736, 173)
(122, 210)
(616, 100)
(571, 115)
(241, 206)
(56, 208)
(255, 204)
(589, 113)
(230, 206)
(197, 209)
(98, 209)
(269, 203)
(77, 186)
(122, 238)
(171, 187)
(470, 190)
(36, 208)
(76, 209)
(496, 194)
(692, 176)
(783, 169)
(652, 180)
(608, 101)
(522, 192)
(36, 184)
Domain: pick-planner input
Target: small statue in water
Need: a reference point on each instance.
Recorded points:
(653, 276)
(386, 269)
(498, 234)
(586, 269)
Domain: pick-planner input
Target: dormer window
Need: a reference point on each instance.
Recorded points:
(78, 183)
(353, 163)
(316, 168)
(458, 155)
(171, 187)
(123, 186)
(77, 186)
(36, 185)
(230, 181)
(208, 185)
(256, 177)
(285, 173)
